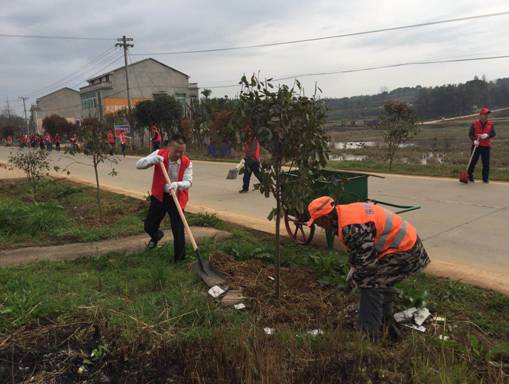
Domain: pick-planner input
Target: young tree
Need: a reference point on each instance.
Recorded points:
(34, 163)
(93, 133)
(399, 124)
(289, 125)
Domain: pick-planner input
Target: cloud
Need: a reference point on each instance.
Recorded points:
(161, 25)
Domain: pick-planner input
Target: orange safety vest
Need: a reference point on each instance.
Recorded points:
(393, 234)
(479, 130)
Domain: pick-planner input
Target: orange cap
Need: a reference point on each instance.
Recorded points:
(319, 207)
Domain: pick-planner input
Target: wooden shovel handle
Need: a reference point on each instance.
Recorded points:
(179, 208)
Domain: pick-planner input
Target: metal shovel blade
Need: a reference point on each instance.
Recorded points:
(208, 273)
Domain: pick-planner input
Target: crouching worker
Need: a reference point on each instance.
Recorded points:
(180, 170)
(383, 249)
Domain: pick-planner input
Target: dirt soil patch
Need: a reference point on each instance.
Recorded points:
(303, 303)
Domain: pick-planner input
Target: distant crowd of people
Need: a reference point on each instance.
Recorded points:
(44, 141)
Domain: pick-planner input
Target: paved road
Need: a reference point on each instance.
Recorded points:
(463, 226)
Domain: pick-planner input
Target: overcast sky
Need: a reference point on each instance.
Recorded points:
(30, 66)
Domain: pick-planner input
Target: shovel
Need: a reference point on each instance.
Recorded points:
(464, 174)
(207, 273)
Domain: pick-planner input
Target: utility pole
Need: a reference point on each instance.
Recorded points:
(8, 108)
(123, 42)
(25, 98)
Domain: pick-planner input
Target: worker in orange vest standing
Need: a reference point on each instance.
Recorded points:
(481, 133)
(180, 170)
(383, 249)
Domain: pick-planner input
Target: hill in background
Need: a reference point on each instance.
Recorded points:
(429, 102)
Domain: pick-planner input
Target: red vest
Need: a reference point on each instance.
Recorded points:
(250, 152)
(393, 234)
(478, 130)
(159, 181)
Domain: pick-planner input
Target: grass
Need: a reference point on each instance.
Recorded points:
(65, 212)
(447, 140)
(415, 169)
(147, 319)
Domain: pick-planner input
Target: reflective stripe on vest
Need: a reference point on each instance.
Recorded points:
(393, 234)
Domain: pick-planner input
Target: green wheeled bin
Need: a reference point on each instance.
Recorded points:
(344, 188)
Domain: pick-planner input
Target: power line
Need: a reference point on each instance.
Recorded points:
(54, 37)
(366, 69)
(262, 45)
(99, 71)
(99, 59)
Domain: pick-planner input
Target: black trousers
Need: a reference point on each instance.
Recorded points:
(376, 310)
(155, 215)
(123, 149)
(250, 167)
(484, 153)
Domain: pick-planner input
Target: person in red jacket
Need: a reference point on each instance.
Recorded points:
(110, 137)
(251, 159)
(156, 137)
(383, 249)
(180, 170)
(123, 141)
(57, 142)
(481, 132)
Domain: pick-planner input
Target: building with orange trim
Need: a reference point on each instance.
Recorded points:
(148, 78)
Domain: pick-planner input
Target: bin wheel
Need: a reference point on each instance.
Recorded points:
(297, 229)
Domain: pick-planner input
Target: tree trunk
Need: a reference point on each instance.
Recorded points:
(278, 222)
(98, 195)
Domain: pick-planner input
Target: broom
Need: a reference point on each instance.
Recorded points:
(233, 173)
(464, 174)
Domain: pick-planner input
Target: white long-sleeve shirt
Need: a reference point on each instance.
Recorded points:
(173, 171)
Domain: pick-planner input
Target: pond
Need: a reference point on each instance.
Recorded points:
(363, 144)
(347, 157)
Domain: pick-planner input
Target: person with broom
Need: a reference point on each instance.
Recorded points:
(180, 170)
(481, 132)
(383, 249)
(251, 158)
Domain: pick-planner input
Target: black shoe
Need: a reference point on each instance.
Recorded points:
(471, 179)
(485, 181)
(244, 191)
(153, 242)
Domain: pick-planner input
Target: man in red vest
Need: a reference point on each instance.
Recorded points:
(180, 170)
(481, 133)
(156, 136)
(111, 141)
(383, 249)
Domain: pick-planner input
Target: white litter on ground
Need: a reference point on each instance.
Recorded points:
(406, 315)
(442, 337)
(421, 315)
(413, 318)
(419, 328)
(315, 332)
(216, 291)
(438, 319)
(271, 278)
(239, 306)
(268, 331)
